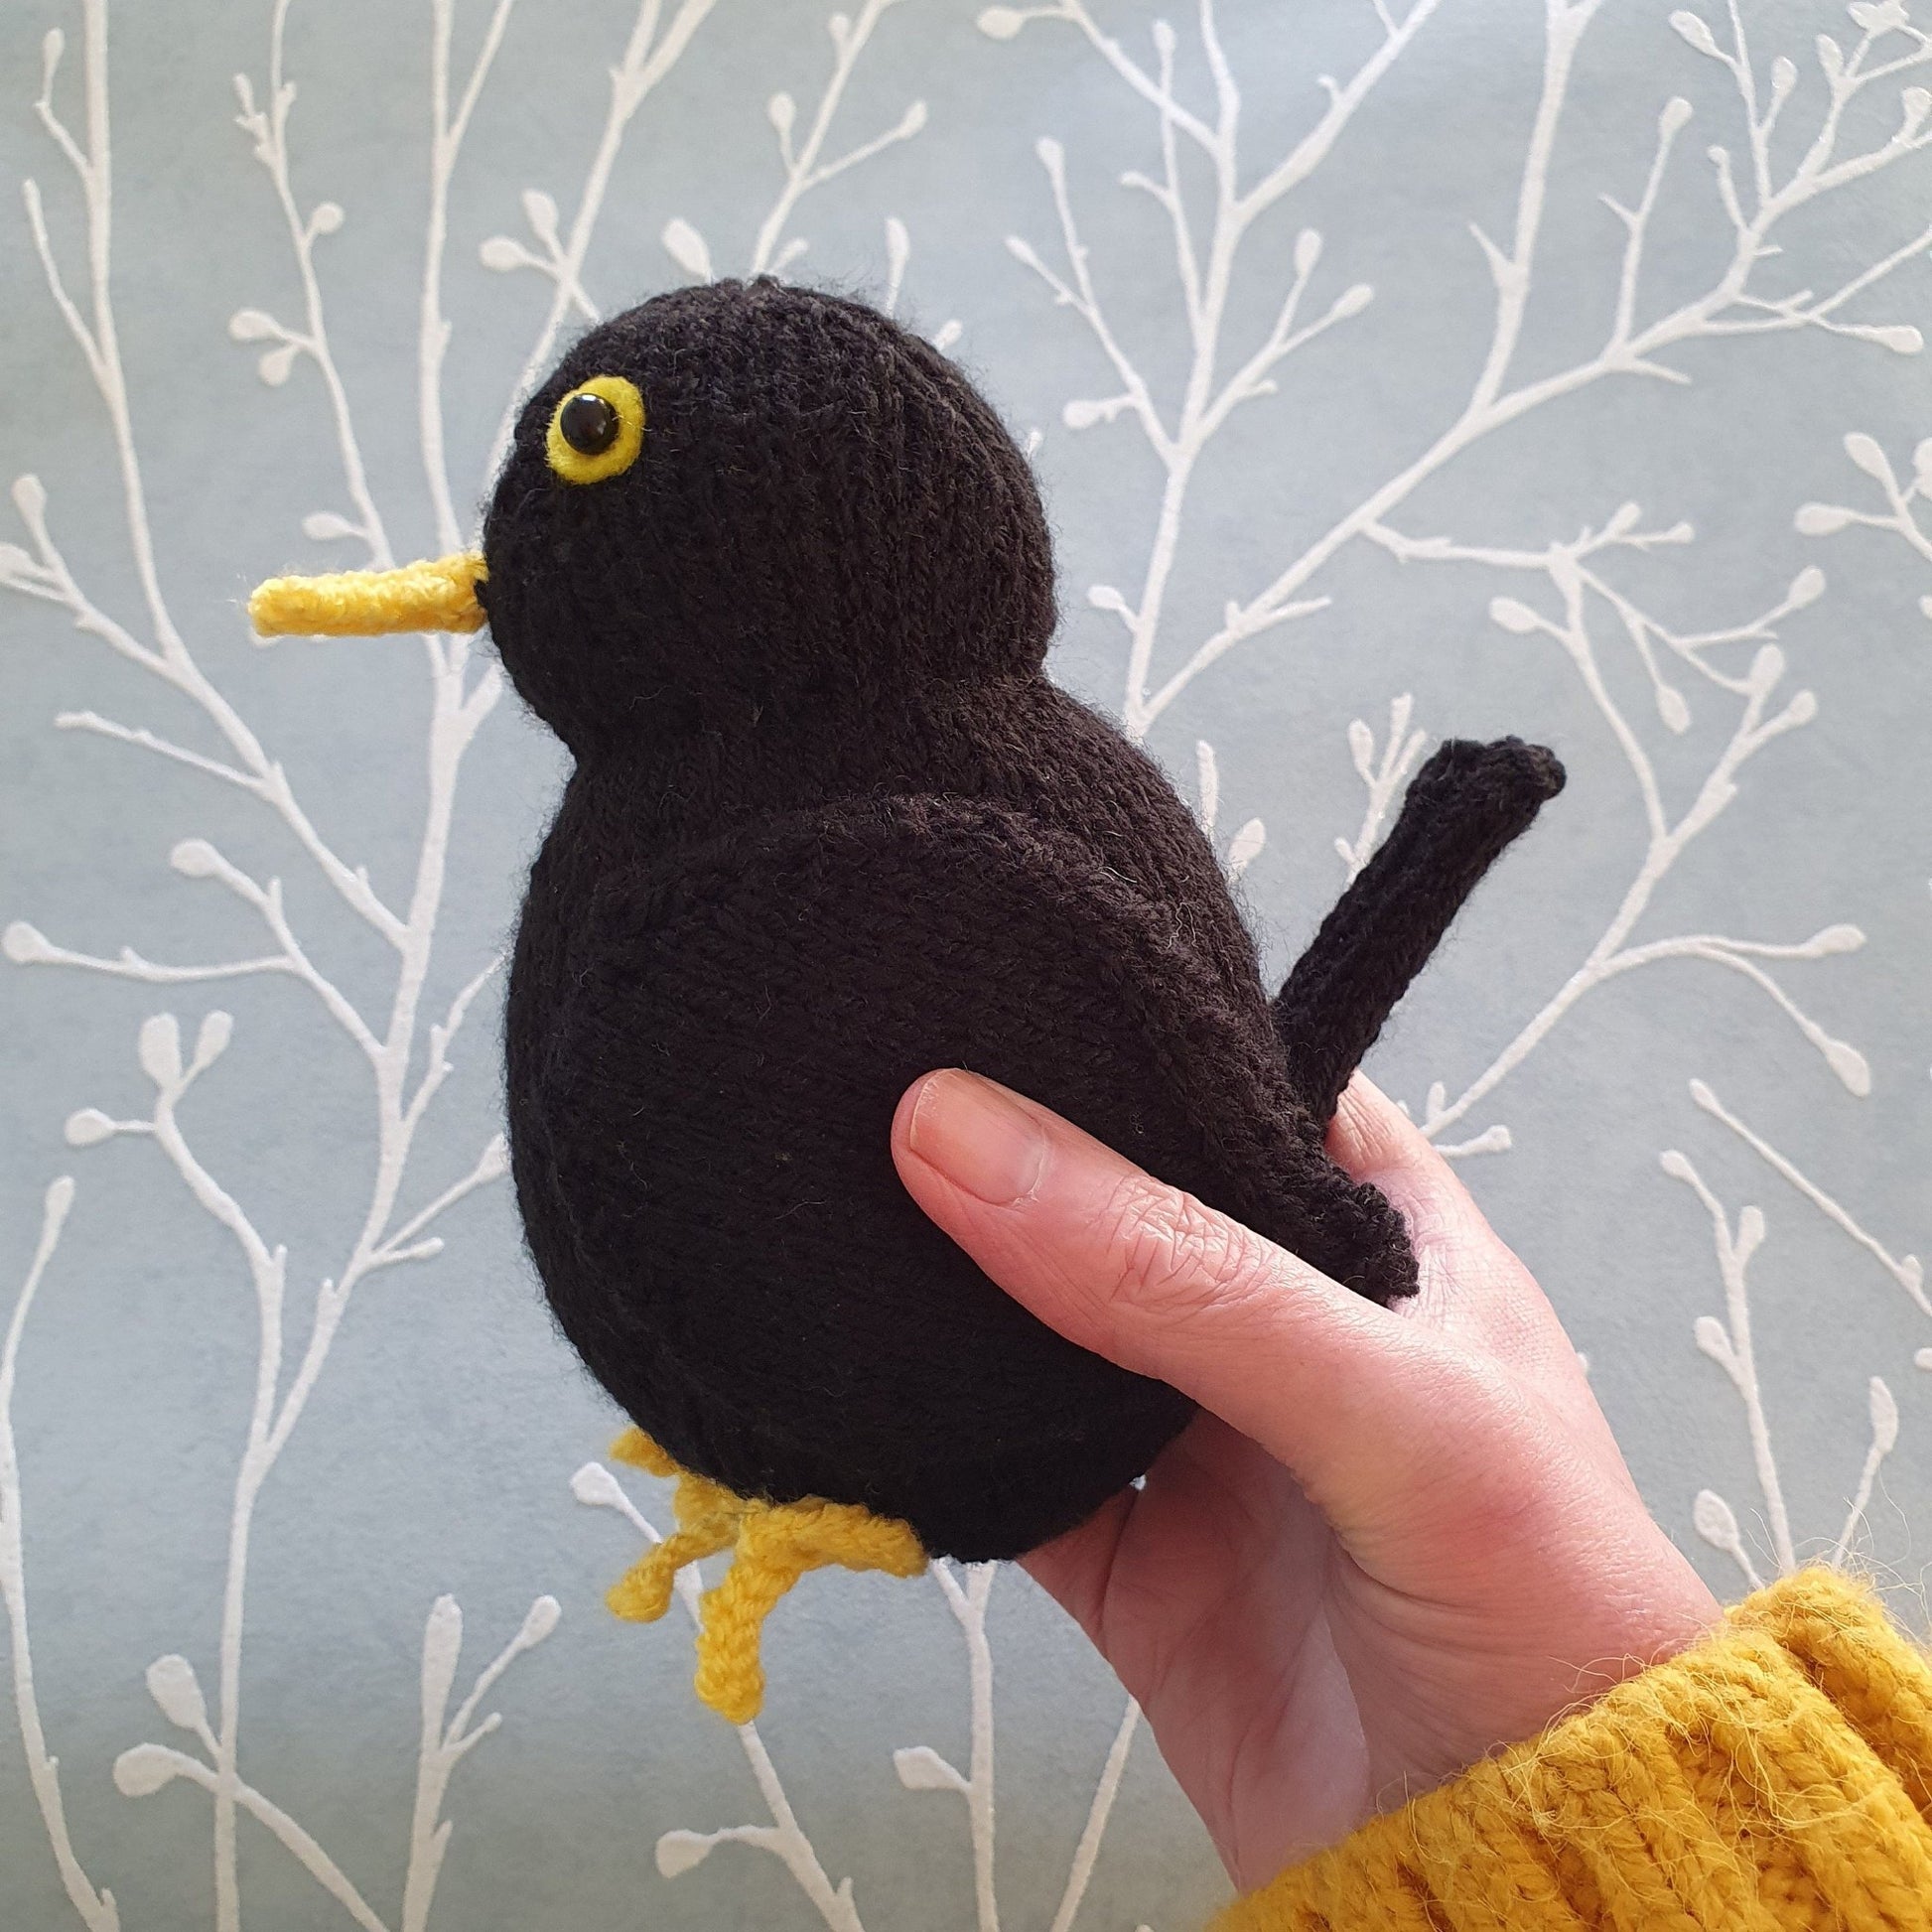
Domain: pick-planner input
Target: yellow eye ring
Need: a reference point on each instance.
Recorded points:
(603, 435)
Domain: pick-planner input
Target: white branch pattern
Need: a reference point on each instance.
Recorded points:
(389, 1048)
(95, 1905)
(1728, 1342)
(1683, 697)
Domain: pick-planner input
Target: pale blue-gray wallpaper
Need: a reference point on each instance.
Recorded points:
(1392, 368)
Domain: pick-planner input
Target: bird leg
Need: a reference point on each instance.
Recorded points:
(708, 1518)
(772, 1545)
(776, 1543)
(1464, 807)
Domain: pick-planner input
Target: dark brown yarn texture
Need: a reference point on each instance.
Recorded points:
(830, 827)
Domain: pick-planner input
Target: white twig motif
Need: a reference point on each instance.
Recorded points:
(802, 159)
(268, 128)
(1098, 1813)
(448, 126)
(1906, 1270)
(648, 56)
(145, 1769)
(1577, 578)
(407, 1060)
(1207, 253)
(1209, 198)
(805, 164)
(1246, 845)
(1383, 779)
(95, 1905)
(447, 1740)
(1207, 266)
(1729, 1344)
(1903, 499)
(920, 1767)
(679, 1851)
(389, 1046)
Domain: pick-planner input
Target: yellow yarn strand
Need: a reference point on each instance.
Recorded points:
(1779, 1773)
(707, 1521)
(640, 1453)
(772, 1545)
(776, 1545)
(439, 594)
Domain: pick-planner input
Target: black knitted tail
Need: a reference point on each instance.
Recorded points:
(1463, 808)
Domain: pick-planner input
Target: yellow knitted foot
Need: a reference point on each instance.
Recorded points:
(707, 1522)
(776, 1543)
(636, 1448)
(772, 1545)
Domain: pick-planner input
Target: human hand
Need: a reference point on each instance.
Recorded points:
(1396, 1540)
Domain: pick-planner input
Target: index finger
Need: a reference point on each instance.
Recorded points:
(1332, 1385)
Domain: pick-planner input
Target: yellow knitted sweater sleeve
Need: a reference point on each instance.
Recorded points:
(1779, 1773)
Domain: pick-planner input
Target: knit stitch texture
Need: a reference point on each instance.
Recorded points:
(772, 1546)
(437, 595)
(1778, 1774)
(830, 827)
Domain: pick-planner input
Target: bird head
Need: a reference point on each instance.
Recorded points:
(729, 501)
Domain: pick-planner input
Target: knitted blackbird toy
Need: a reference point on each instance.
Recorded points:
(778, 578)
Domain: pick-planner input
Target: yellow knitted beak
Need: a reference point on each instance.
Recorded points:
(439, 594)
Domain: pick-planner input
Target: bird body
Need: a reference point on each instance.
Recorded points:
(728, 971)
(779, 578)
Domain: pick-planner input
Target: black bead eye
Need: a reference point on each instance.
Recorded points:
(596, 431)
(587, 423)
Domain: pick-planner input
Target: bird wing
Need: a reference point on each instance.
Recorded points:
(703, 1150)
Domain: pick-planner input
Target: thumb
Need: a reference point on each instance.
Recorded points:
(1334, 1386)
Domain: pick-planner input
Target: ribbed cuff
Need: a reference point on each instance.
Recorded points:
(1777, 1774)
